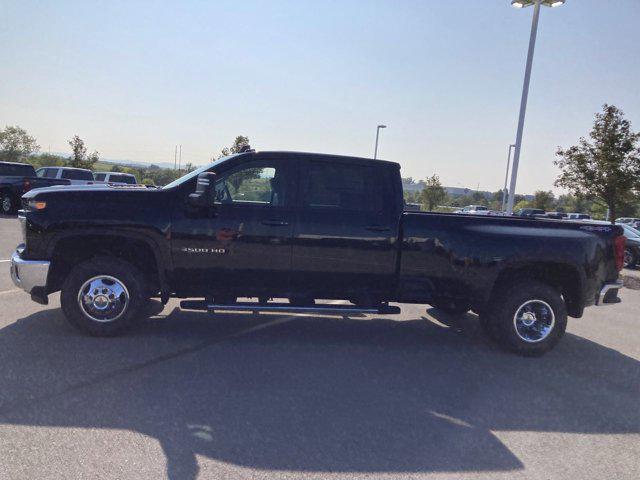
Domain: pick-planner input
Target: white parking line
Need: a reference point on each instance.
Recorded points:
(4, 261)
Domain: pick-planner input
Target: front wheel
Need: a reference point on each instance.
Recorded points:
(103, 296)
(529, 318)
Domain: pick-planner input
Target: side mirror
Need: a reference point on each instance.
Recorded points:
(205, 188)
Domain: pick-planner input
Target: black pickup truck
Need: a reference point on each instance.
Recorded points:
(17, 179)
(305, 227)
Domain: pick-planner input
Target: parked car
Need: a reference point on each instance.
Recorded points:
(474, 209)
(556, 215)
(529, 212)
(17, 179)
(578, 216)
(415, 207)
(115, 177)
(632, 248)
(634, 222)
(305, 227)
(77, 176)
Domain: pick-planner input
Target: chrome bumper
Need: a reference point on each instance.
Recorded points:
(617, 285)
(28, 274)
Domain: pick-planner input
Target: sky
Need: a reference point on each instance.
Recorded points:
(136, 78)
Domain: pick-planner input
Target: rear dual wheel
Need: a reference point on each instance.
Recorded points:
(529, 318)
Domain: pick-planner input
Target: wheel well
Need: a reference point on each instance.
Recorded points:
(70, 251)
(562, 277)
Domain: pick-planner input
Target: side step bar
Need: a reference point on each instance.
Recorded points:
(286, 308)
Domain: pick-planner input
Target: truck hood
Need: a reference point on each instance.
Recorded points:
(93, 188)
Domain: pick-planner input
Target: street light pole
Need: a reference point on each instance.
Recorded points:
(525, 88)
(506, 178)
(375, 152)
(523, 105)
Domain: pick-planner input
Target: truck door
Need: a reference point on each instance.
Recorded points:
(245, 248)
(346, 230)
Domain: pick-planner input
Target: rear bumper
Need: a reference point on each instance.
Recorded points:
(28, 274)
(609, 293)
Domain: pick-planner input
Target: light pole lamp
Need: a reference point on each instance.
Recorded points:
(375, 151)
(525, 88)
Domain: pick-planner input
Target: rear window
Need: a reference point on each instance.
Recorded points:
(122, 179)
(347, 187)
(77, 174)
(16, 170)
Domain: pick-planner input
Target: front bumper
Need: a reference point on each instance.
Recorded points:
(609, 293)
(28, 274)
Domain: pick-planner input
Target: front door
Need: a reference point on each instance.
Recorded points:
(244, 247)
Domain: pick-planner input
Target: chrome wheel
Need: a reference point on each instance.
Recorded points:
(534, 321)
(6, 204)
(628, 258)
(103, 298)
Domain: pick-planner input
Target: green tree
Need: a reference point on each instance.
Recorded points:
(544, 200)
(605, 169)
(433, 193)
(16, 143)
(79, 158)
(240, 142)
(522, 204)
(46, 160)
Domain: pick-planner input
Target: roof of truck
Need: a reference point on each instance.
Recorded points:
(325, 156)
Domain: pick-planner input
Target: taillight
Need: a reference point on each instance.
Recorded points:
(26, 186)
(619, 243)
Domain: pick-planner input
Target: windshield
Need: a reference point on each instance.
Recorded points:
(197, 171)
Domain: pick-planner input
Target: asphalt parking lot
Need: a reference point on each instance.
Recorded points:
(189, 395)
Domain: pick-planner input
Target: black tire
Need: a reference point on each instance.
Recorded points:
(127, 313)
(630, 259)
(534, 302)
(7, 203)
(451, 307)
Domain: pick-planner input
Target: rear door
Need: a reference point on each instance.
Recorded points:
(345, 235)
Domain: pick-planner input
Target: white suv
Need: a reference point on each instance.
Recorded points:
(115, 177)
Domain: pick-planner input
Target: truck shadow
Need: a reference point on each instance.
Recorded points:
(314, 394)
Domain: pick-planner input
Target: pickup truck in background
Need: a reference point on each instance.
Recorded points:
(307, 227)
(75, 176)
(17, 179)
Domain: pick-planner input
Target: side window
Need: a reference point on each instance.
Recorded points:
(50, 172)
(252, 185)
(100, 177)
(40, 172)
(342, 186)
